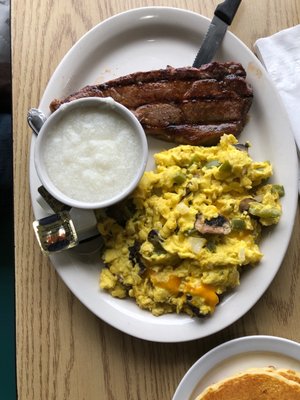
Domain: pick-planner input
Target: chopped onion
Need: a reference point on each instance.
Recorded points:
(196, 244)
(182, 208)
(242, 254)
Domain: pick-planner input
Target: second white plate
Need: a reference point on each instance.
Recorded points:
(236, 356)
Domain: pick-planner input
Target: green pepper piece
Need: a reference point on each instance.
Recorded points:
(225, 167)
(211, 246)
(278, 189)
(238, 224)
(195, 159)
(263, 212)
(179, 178)
(224, 171)
(212, 163)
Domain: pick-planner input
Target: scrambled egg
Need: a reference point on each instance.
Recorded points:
(184, 235)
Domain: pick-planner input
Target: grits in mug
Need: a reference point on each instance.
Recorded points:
(182, 238)
(91, 155)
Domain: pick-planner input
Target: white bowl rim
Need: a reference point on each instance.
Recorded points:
(58, 114)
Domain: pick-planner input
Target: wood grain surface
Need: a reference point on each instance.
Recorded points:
(63, 350)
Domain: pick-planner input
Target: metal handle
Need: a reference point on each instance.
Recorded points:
(35, 119)
(227, 10)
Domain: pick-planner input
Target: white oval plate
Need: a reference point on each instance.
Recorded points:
(236, 356)
(150, 38)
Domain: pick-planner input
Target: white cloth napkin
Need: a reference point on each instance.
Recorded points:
(280, 54)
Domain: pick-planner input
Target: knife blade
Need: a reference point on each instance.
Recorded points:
(223, 17)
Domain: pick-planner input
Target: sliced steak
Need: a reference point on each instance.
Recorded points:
(192, 112)
(183, 105)
(204, 135)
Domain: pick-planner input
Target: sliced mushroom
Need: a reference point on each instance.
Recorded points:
(218, 226)
(245, 204)
(155, 238)
(136, 258)
(242, 146)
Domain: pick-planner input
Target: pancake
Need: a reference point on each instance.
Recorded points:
(256, 384)
(287, 373)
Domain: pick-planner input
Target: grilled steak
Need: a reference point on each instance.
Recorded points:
(183, 105)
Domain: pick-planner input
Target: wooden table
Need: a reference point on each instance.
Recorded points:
(63, 350)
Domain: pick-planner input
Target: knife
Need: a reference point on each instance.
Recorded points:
(223, 16)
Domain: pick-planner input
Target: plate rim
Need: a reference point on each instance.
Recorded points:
(131, 330)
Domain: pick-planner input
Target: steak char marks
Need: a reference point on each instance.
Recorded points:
(182, 105)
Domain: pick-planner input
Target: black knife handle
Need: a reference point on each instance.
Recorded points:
(227, 10)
